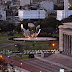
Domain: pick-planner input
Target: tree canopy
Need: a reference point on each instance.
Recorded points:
(50, 24)
(69, 19)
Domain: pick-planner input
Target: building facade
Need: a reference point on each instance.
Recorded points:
(65, 38)
(25, 2)
(47, 5)
(31, 14)
(61, 14)
(2, 15)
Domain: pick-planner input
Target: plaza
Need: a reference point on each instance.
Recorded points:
(35, 39)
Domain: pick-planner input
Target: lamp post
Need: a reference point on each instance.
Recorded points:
(53, 44)
(40, 71)
(1, 57)
(15, 45)
(21, 64)
(0, 29)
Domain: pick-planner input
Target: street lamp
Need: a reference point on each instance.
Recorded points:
(15, 45)
(40, 71)
(1, 57)
(21, 64)
(53, 44)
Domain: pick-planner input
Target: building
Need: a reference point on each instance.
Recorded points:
(25, 2)
(2, 15)
(47, 5)
(65, 38)
(70, 1)
(61, 14)
(60, 1)
(54, 1)
(31, 14)
(7, 0)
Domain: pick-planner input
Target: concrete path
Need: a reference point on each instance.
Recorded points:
(61, 59)
(57, 64)
(17, 69)
(6, 44)
(23, 66)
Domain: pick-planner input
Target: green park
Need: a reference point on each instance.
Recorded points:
(49, 28)
(8, 31)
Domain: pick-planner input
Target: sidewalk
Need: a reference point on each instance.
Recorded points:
(57, 64)
(17, 69)
(24, 65)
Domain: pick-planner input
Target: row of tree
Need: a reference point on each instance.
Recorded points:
(48, 25)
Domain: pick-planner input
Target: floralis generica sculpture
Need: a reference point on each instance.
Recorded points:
(32, 31)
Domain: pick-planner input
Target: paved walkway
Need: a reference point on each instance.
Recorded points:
(48, 67)
(61, 58)
(57, 64)
(24, 65)
(17, 69)
(6, 44)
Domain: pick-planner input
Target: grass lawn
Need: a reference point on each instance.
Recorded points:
(21, 58)
(25, 45)
(10, 47)
(4, 38)
(40, 46)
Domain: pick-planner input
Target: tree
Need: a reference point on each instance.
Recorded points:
(33, 44)
(26, 47)
(1, 27)
(49, 24)
(60, 7)
(19, 46)
(69, 19)
(18, 28)
(9, 27)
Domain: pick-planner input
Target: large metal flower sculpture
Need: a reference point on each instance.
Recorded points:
(31, 32)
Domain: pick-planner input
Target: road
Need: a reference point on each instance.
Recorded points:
(46, 66)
